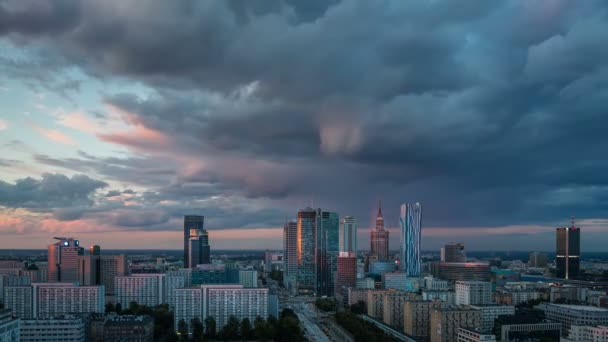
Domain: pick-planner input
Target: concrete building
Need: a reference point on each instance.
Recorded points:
(392, 307)
(11, 280)
(454, 271)
(63, 260)
(453, 252)
(582, 333)
(515, 297)
(248, 278)
(112, 266)
(62, 328)
(9, 326)
(172, 282)
(365, 283)
(144, 288)
(435, 284)
(346, 275)
(445, 322)
(185, 273)
(348, 235)
(129, 328)
(537, 259)
(489, 313)
(473, 292)
(570, 315)
(379, 238)
(449, 297)
(417, 317)
(20, 300)
(473, 335)
(51, 300)
(188, 305)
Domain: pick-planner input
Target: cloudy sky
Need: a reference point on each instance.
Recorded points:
(119, 117)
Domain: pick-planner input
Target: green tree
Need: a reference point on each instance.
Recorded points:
(326, 304)
(210, 327)
(246, 330)
(182, 330)
(197, 328)
(231, 330)
(118, 308)
(260, 329)
(110, 307)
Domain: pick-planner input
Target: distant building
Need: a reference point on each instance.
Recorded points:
(381, 267)
(392, 307)
(9, 326)
(63, 260)
(348, 234)
(365, 283)
(129, 328)
(473, 335)
(191, 222)
(20, 300)
(211, 274)
(435, 284)
(274, 261)
(515, 297)
(346, 275)
(62, 328)
(568, 252)
(198, 248)
(454, 271)
(248, 278)
(445, 322)
(570, 315)
(399, 281)
(290, 254)
(145, 289)
(112, 266)
(490, 312)
(473, 292)
(417, 317)
(379, 238)
(537, 259)
(411, 235)
(449, 297)
(582, 333)
(10, 280)
(453, 252)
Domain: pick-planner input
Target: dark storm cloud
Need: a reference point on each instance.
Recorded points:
(489, 113)
(52, 191)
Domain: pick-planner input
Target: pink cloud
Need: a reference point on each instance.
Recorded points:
(56, 136)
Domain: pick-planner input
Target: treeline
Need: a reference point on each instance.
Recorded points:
(360, 329)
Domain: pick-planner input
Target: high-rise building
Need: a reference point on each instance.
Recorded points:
(248, 278)
(317, 251)
(346, 275)
(112, 266)
(95, 250)
(197, 223)
(453, 252)
(445, 322)
(9, 280)
(62, 328)
(348, 234)
(417, 316)
(537, 259)
(53, 299)
(20, 300)
(9, 326)
(411, 235)
(379, 238)
(198, 248)
(473, 292)
(568, 252)
(63, 260)
(489, 313)
(454, 271)
(144, 288)
(290, 253)
(392, 308)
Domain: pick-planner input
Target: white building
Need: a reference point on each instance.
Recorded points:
(365, 283)
(20, 300)
(399, 281)
(435, 284)
(56, 329)
(473, 292)
(188, 305)
(9, 327)
(446, 296)
(582, 333)
(145, 289)
(248, 278)
(172, 283)
(53, 299)
(185, 273)
(489, 313)
(570, 315)
(472, 335)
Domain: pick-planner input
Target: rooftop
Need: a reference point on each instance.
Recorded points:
(578, 307)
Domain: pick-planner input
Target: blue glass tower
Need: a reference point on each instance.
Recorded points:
(411, 231)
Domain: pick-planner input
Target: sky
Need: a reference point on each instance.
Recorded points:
(118, 117)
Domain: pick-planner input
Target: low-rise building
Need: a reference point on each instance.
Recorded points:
(474, 335)
(570, 315)
(9, 326)
(129, 328)
(582, 333)
(446, 296)
(489, 313)
(63, 328)
(473, 292)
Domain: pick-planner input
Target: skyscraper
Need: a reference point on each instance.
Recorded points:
(290, 253)
(191, 222)
(411, 232)
(379, 238)
(63, 260)
(317, 245)
(348, 234)
(453, 252)
(568, 251)
(198, 248)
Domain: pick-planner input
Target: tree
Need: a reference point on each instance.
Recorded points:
(231, 330)
(110, 307)
(326, 304)
(210, 327)
(261, 331)
(182, 330)
(358, 308)
(197, 328)
(118, 308)
(246, 329)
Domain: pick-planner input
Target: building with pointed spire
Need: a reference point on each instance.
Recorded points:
(379, 237)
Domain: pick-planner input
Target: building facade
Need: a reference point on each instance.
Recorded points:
(9, 326)
(198, 248)
(197, 223)
(145, 289)
(490, 312)
(248, 278)
(239, 302)
(473, 335)
(473, 292)
(445, 322)
(569, 315)
(379, 238)
(51, 300)
(346, 275)
(453, 252)
(417, 317)
(464, 271)
(568, 252)
(63, 260)
(129, 328)
(62, 328)
(348, 234)
(411, 234)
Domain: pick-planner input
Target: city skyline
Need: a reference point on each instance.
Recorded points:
(246, 112)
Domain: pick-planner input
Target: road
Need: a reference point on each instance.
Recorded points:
(309, 322)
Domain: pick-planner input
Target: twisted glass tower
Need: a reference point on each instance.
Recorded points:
(410, 238)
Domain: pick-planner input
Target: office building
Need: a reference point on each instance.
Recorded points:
(191, 222)
(567, 252)
(211, 274)
(417, 317)
(474, 335)
(454, 271)
(248, 278)
(112, 266)
(473, 292)
(411, 234)
(435, 284)
(348, 234)
(290, 254)
(51, 300)
(490, 312)
(537, 259)
(60, 328)
(198, 248)
(346, 275)
(63, 260)
(585, 333)
(379, 238)
(89, 270)
(317, 251)
(9, 326)
(570, 315)
(445, 322)
(129, 328)
(453, 252)
(145, 289)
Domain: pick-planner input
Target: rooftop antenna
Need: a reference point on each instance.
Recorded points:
(572, 222)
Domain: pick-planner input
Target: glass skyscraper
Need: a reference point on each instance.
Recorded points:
(348, 234)
(411, 230)
(191, 222)
(568, 252)
(63, 260)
